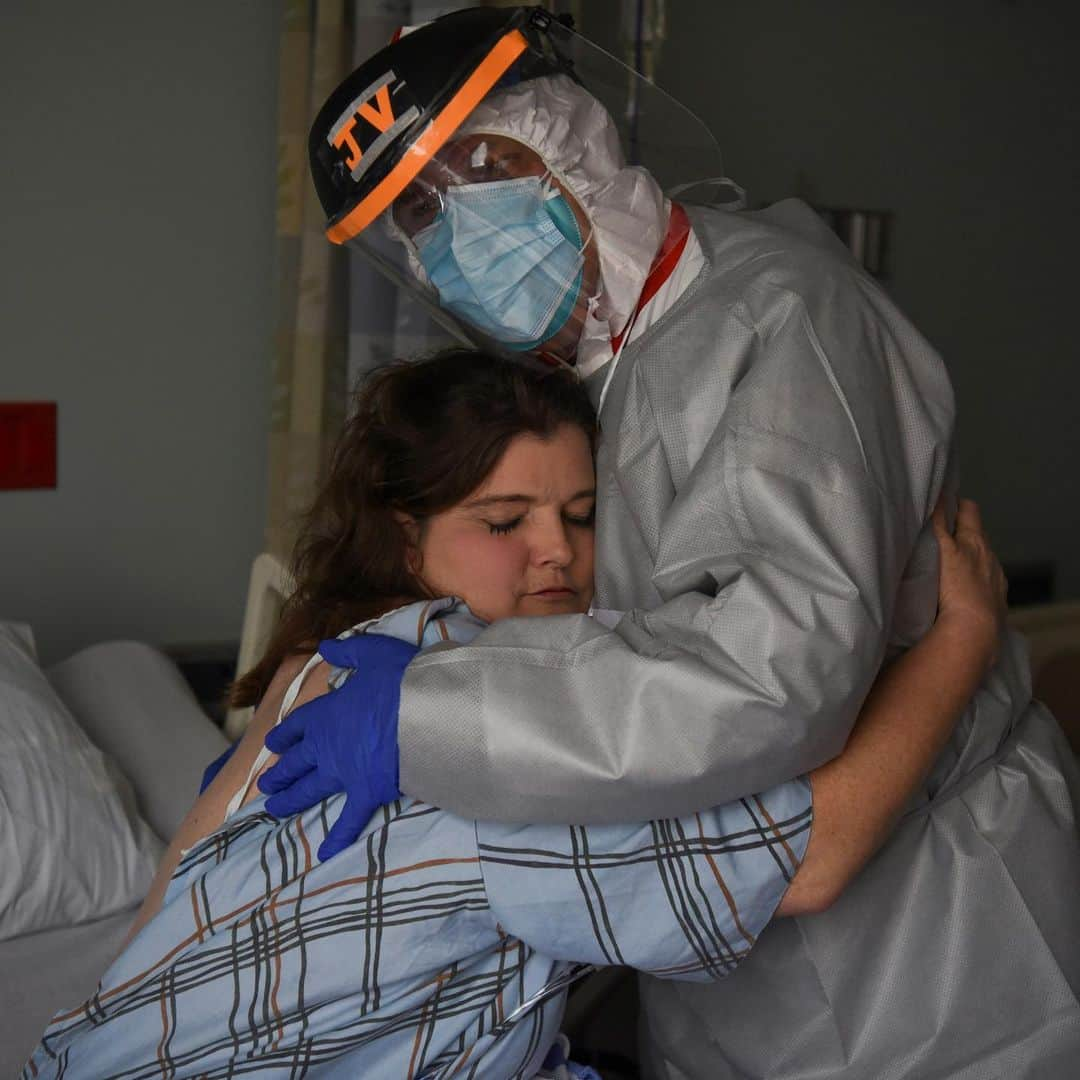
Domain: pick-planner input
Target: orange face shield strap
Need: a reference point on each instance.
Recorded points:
(490, 70)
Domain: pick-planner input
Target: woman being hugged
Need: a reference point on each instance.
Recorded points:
(462, 492)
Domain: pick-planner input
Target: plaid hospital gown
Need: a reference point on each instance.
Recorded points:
(433, 947)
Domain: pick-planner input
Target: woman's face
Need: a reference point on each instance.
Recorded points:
(522, 542)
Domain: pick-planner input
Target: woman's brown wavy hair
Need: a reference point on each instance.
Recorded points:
(423, 435)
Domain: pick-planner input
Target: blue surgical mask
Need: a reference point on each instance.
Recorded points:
(506, 257)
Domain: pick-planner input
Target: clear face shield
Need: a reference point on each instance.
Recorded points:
(526, 201)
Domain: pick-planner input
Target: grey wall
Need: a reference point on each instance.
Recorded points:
(137, 185)
(961, 118)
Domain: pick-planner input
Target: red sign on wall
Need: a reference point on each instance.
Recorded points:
(27, 445)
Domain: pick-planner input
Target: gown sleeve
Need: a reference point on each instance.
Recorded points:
(775, 565)
(681, 898)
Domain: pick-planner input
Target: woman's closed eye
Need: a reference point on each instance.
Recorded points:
(501, 528)
(578, 520)
(582, 521)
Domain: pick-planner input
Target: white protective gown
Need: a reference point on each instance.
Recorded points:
(773, 445)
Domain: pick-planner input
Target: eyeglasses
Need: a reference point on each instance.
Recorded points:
(475, 159)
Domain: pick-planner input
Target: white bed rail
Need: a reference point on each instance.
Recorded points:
(268, 588)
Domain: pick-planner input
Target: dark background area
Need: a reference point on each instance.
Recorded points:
(961, 120)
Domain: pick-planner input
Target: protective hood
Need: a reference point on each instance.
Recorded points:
(387, 147)
(579, 143)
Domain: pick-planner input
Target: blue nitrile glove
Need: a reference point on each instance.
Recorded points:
(345, 740)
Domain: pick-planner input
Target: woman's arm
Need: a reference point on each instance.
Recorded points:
(906, 719)
(208, 812)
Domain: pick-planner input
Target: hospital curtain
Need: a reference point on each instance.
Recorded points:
(308, 401)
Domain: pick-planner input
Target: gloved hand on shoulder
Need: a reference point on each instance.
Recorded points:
(345, 740)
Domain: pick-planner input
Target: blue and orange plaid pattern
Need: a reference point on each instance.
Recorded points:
(433, 947)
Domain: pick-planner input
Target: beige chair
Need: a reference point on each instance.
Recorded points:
(268, 588)
(1053, 635)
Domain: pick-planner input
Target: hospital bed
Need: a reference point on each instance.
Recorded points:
(134, 705)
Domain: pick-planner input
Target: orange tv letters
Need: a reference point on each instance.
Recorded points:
(380, 117)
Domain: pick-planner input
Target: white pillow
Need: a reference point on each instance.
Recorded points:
(135, 706)
(72, 845)
(24, 634)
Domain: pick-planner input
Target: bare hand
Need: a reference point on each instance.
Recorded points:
(972, 587)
